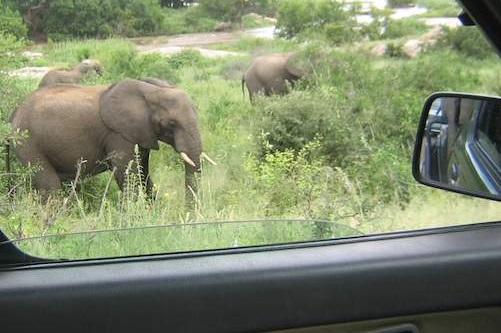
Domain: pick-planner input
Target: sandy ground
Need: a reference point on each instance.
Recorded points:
(196, 41)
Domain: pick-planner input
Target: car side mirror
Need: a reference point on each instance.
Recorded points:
(458, 144)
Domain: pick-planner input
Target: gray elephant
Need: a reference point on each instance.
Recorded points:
(101, 125)
(72, 76)
(269, 74)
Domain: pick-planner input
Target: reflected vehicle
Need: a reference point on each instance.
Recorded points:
(461, 143)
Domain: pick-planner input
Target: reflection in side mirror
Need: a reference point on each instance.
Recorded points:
(458, 145)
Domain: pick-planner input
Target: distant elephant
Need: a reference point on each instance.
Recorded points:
(269, 73)
(72, 76)
(101, 125)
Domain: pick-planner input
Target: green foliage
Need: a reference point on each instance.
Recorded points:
(383, 27)
(466, 40)
(11, 23)
(257, 46)
(326, 17)
(102, 18)
(10, 47)
(290, 179)
(12, 38)
(175, 3)
(126, 63)
(197, 20)
(253, 20)
(234, 10)
(400, 3)
(404, 27)
(439, 8)
(12, 92)
(230, 10)
(177, 21)
(186, 58)
(394, 50)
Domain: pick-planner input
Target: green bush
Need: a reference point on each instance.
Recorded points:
(301, 117)
(439, 8)
(10, 47)
(466, 40)
(12, 38)
(325, 17)
(186, 58)
(290, 179)
(103, 18)
(128, 63)
(383, 27)
(404, 27)
(11, 23)
(198, 20)
(400, 3)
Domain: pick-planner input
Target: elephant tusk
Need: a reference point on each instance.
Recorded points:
(204, 155)
(187, 159)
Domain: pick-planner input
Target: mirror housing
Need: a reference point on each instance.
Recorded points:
(458, 144)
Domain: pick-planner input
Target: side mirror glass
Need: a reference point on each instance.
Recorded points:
(458, 144)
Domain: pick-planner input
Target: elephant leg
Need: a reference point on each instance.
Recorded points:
(124, 162)
(145, 174)
(46, 180)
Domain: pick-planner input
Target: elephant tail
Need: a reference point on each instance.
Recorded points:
(8, 167)
(243, 89)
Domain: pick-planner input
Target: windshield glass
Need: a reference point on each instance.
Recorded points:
(141, 127)
(182, 237)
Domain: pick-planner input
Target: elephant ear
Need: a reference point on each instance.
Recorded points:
(124, 109)
(293, 66)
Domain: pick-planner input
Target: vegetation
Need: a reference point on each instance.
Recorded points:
(336, 151)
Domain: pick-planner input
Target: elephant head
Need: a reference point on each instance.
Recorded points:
(144, 113)
(292, 66)
(88, 65)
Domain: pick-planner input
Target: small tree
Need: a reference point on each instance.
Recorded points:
(327, 17)
(229, 10)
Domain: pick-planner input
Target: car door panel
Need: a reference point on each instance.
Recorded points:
(485, 320)
(252, 290)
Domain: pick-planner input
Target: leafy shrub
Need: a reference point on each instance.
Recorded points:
(12, 92)
(186, 58)
(383, 27)
(175, 21)
(400, 3)
(10, 48)
(394, 50)
(301, 117)
(11, 23)
(466, 40)
(439, 8)
(289, 179)
(12, 37)
(197, 20)
(128, 63)
(102, 18)
(404, 27)
(326, 17)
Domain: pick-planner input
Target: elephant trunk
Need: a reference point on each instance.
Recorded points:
(189, 145)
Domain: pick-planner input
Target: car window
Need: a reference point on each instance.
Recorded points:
(140, 127)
